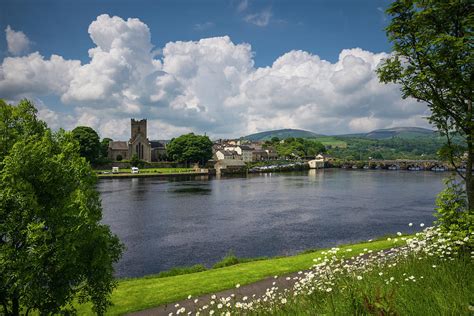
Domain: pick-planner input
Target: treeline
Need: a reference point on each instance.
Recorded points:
(91, 147)
(393, 148)
(295, 147)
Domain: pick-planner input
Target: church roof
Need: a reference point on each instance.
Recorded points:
(118, 145)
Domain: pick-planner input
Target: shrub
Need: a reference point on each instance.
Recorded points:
(181, 270)
(453, 214)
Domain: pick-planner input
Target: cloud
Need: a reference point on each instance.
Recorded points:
(17, 42)
(242, 5)
(260, 19)
(203, 26)
(207, 86)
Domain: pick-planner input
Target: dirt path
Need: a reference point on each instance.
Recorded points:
(258, 288)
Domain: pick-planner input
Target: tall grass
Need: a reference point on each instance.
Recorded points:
(431, 275)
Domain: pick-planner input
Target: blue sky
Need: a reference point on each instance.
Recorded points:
(226, 67)
(323, 27)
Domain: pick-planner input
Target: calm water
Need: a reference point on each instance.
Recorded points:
(180, 223)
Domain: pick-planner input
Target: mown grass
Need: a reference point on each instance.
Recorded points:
(150, 170)
(142, 293)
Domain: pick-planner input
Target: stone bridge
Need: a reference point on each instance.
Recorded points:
(399, 164)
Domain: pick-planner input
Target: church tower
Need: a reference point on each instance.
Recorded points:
(139, 144)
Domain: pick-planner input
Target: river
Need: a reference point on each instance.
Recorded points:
(168, 223)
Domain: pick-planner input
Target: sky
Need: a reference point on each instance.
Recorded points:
(225, 68)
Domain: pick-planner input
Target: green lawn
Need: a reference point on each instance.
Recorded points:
(142, 293)
(331, 141)
(150, 170)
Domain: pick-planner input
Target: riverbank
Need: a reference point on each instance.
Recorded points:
(151, 175)
(147, 292)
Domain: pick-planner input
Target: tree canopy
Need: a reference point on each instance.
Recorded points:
(433, 61)
(53, 248)
(190, 148)
(104, 147)
(296, 147)
(89, 142)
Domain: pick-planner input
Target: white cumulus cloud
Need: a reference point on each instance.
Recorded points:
(207, 86)
(17, 42)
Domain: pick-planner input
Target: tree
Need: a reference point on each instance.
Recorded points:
(190, 148)
(53, 248)
(89, 142)
(104, 147)
(135, 161)
(16, 123)
(433, 62)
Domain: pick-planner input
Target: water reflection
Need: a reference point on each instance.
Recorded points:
(167, 223)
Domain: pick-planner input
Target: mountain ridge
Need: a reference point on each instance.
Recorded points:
(383, 133)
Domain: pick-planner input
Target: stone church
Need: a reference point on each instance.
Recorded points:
(138, 144)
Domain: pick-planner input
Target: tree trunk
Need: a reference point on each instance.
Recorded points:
(469, 177)
(15, 305)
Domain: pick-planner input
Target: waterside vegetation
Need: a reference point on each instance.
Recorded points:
(147, 292)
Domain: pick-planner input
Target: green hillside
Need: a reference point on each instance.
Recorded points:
(399, 132)
(281, 134)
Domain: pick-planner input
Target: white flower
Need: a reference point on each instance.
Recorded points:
(213, 296)
(411, 224)
(237, 286)
(359, 277)
(244, 298)
(195, 301)
(283, 300)
(219, 306)
(399, 233)
(211, 312)
(328, 289)
(189, 297)
(422, 225)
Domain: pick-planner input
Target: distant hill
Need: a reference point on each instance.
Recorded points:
(281, 134)
(401, 132)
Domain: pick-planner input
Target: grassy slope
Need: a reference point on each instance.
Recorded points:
(142, 293)
(151, 170)
(331, 141)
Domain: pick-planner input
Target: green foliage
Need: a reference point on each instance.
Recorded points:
(190, 148)
(452, 212)
(89, 144)
(119, 158)
(17, 123)
(296, 147)
(229, 260)
(392, 148)
(104, 147)
(181, 271)
(433, 62)
(135, 161)
(52, 245)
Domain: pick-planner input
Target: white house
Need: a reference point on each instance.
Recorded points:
(318, 162)
(226, 154)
